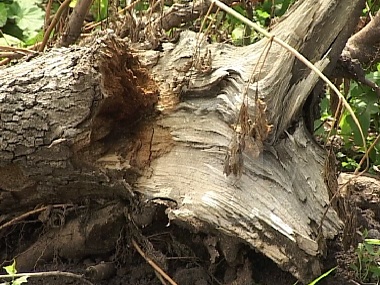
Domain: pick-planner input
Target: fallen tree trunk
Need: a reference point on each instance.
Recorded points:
(82, 126)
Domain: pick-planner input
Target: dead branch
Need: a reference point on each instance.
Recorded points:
(365, 45)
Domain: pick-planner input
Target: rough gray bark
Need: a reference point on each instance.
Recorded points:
(364, 45)
(76, 128)
(53, 120)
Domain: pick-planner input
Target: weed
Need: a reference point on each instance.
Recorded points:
(12, 271)
(315, 281)
(367, 266)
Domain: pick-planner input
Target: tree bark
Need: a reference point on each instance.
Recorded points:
(81, 126)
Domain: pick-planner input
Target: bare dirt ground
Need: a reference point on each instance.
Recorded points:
(189, 258)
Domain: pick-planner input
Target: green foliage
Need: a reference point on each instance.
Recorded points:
(3, 14)
(142, 6)
(367, 267)
(20, 21)
(99, 9)
(276, 8)
(315, 281)
(261, 15)
(322, 276)
(365, 104)
(374, 6)
(11, 271)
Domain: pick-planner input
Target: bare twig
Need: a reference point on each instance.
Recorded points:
(90, 26)
(53, 23)
(153, 264)
(17, 50)
(27, 214)
(47, 13)
(48, 273)
(375, 142)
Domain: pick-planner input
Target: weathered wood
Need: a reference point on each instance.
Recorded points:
(278, 203)
(79, 127)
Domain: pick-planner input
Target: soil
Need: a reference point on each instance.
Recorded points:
(189, 258)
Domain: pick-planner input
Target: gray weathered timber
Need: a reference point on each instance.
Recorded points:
(63, 140)
(278, 203)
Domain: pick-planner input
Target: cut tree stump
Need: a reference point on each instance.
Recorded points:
(80, 124)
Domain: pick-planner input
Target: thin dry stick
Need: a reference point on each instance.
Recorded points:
(48, 273)
(338, 112)
(47, 14)
(153, 264)
(302, 59)
(17, 50)
(369, 10)
(90, 26)
(212, 21)
(368, 151)
(53, 23)
(198, 39)
(204, 21)
(27, 214)
(151, 9)
(266, 50)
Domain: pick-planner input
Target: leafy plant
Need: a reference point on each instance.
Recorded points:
(21, 21)
(365, 103)
(322, 276)
(367, 267)
(315, 281)
(99, 9)
(11, 271)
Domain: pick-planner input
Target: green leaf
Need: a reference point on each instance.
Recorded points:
(11, 269)
(20, 280)
(372, 102)
(375, 270)
(284, 7)
(262, 14)
(73, 3)
(37, 38)
(28, 15)
(8, 40)
(13, 10)
(3, 14)
(322, 276)
(345, 126)
(238, 35)
(372, 241)
(364, 120)
(369, 248)
(350, 164)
